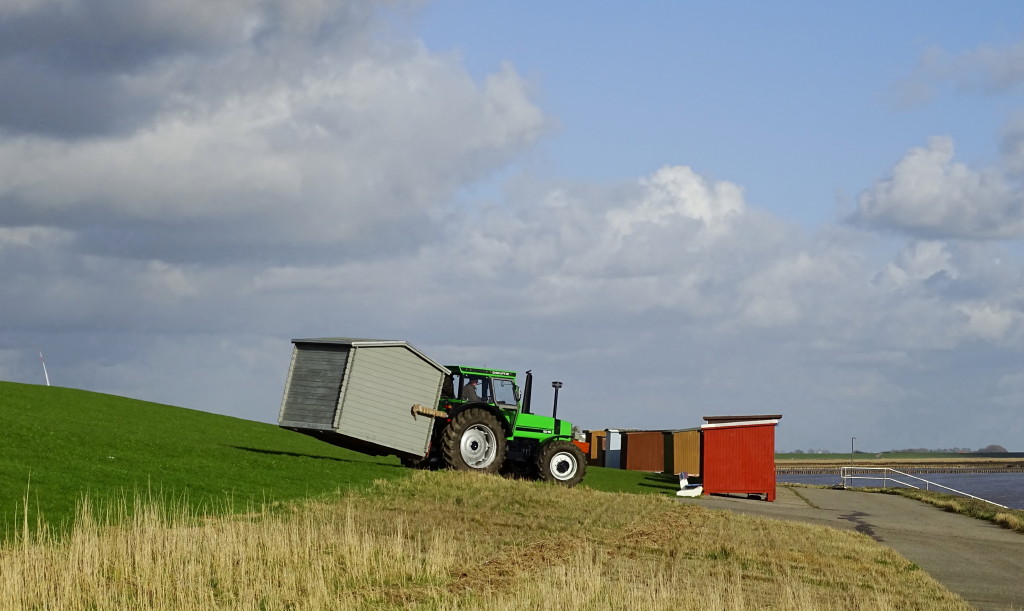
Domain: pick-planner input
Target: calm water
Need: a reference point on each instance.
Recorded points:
(1003, 488)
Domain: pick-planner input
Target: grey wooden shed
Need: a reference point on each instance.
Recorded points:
(358, 394)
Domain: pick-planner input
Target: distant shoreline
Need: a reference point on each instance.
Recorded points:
(964, 464)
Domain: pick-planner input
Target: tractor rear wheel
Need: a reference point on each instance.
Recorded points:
(474, 441)
(561, 462)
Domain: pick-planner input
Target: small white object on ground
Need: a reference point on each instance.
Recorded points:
(686, 488)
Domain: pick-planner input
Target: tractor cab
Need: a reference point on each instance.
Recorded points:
(476, 385)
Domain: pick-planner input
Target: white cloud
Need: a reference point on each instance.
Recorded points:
(680, 192)
(773, 297)
(32, 237)
(929, 195)
(992, 322)
(921, 261)
(169, 280)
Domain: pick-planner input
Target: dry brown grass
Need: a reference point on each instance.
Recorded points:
(458, 541)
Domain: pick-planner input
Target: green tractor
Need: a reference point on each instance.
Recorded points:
(486, 425)
(371, 396)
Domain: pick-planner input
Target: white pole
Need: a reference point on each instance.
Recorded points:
(46, 375)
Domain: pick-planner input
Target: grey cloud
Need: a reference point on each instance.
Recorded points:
(98, 67)
(63, 67)
(67, 105)
(1012, 145)
(328, 159)
(107, 36)
(988, 69)
(958, 270)
(985, 70)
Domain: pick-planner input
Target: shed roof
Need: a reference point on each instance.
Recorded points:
(357, 342)
(724, 419)
(349, 341)
(725, 422)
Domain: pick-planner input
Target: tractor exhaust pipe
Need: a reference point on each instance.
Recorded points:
(554, 410)
(527, 392)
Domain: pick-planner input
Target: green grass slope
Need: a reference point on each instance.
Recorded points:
(632, 482)
(59, 445)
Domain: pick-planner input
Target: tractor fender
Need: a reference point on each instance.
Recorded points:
(492, 409)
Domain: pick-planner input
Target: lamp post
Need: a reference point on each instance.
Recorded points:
(852, 439)
(554, 411)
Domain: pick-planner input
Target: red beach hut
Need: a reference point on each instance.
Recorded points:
(739, 454)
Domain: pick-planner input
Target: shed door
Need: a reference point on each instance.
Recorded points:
(314, 384)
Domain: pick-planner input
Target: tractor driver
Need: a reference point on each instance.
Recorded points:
(468, 392)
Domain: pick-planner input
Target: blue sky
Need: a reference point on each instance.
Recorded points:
(800, 102)
(679, 210)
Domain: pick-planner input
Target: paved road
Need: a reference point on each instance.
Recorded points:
(979, 561)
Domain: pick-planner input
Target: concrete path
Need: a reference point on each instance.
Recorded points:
(979, 561)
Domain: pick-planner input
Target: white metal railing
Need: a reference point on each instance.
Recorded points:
(848, 473)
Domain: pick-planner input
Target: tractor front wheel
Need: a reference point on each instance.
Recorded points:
(561, 462)
(474, 441)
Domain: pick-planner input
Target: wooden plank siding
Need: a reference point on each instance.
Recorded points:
(643, 451)
(382, 386)
(682, 452)
(739, 459)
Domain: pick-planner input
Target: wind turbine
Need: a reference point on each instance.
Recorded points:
(43, 361)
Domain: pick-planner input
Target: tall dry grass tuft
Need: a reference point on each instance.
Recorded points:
(316, 557)
(1013, 521)
(457, 541)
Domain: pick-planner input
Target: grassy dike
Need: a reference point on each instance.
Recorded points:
(136, 505)
(61, 445)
